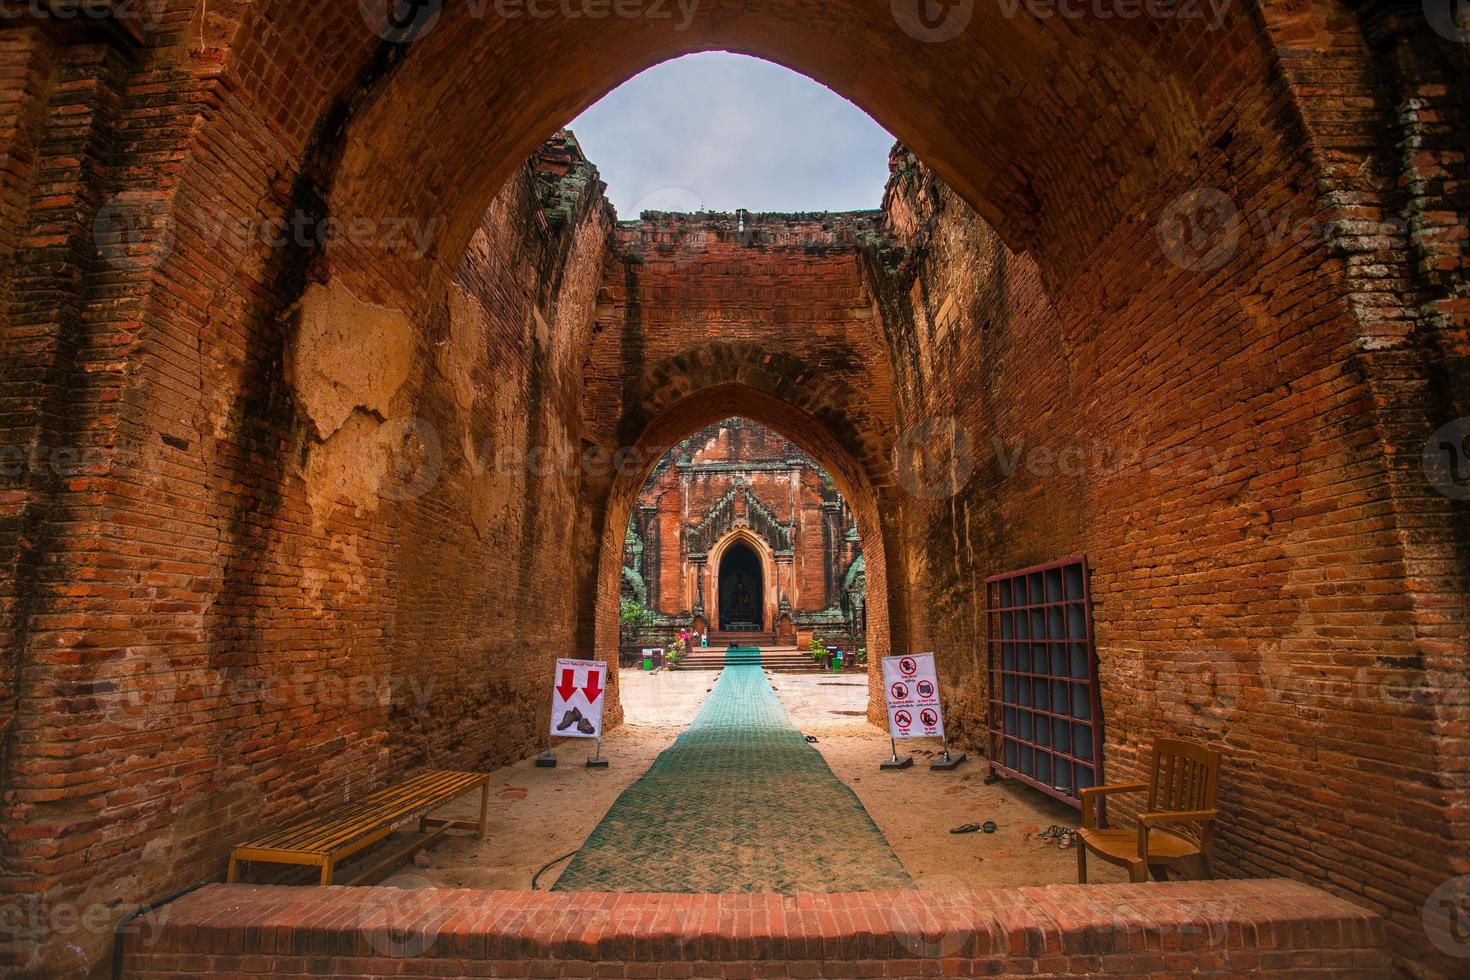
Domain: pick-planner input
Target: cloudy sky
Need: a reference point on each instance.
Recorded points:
(719, 131)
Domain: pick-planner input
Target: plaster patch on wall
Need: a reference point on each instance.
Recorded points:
(463, 350)
(347, 355)
(351, 466)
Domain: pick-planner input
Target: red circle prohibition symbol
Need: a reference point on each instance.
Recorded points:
(926, 689)
(900, 691)
(903, 718)
(908, 666)
(928, 717)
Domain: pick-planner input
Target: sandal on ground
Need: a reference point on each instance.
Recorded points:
(968, 828)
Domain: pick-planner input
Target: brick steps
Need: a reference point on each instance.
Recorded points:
(1276, 927)
(778, 660)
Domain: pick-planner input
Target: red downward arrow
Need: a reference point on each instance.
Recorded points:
(593, 690)
(568, 686)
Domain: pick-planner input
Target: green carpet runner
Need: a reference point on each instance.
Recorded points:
(739, 803)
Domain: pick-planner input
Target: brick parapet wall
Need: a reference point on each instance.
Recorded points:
(1277, 927)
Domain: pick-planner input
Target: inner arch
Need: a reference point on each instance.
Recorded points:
(742, 592)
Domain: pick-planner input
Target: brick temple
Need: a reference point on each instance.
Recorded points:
(741, 535)
(331, 384)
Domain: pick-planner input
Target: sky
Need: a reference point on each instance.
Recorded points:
(718, 132)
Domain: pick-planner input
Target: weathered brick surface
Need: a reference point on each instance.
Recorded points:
(1278, 927)
(1308, 611)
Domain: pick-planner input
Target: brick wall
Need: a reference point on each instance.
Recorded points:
(1277, 927)
(1209, 439)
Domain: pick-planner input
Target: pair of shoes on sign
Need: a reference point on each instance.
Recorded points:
(574, 717)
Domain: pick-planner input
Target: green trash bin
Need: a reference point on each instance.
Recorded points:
(837, 662)
(647, 663)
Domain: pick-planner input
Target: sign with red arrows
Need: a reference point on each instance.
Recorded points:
(576, 698)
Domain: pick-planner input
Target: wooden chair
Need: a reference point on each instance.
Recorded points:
(1175, 830)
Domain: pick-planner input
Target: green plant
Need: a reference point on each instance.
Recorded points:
(819, 650)
(632, 617)
(862, 655)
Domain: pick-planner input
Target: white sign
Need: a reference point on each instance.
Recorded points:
(911, 686)
(576, 698)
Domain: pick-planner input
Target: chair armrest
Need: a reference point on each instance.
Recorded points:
(1182, 816)
(1091, 794)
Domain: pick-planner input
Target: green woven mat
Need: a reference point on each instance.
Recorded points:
(739, 803)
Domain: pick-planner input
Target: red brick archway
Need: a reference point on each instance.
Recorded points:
(858, 486)
(197, 544)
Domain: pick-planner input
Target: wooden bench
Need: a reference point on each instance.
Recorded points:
(327, 841)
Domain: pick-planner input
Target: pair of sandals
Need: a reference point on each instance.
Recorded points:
(1064, 836)
(988, 826)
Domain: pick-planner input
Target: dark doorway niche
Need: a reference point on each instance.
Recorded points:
(742, 590)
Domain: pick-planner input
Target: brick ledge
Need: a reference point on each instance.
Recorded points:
(1277, 925)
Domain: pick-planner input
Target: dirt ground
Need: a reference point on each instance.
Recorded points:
(539, 815)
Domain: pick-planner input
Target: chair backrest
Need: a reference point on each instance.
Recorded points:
(1186, 776)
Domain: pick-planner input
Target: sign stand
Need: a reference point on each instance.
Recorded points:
(597, 761)
(896, 762)
(546, 760)
(947, 762)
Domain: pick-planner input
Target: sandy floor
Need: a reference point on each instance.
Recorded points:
(539, 815)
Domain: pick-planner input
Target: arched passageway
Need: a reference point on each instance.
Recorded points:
(1035, 300)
